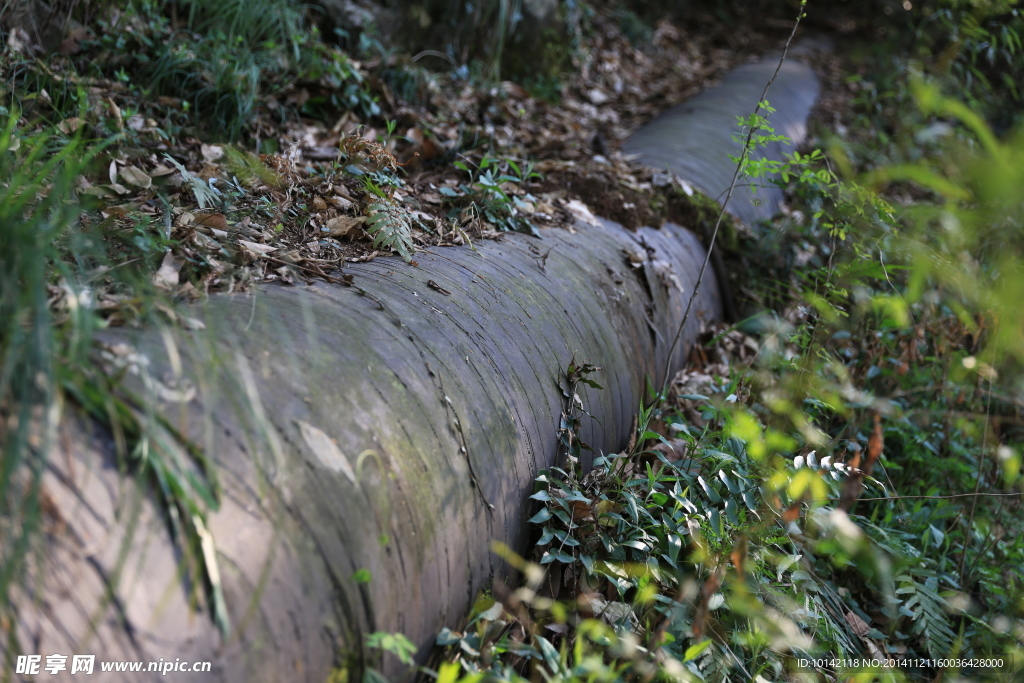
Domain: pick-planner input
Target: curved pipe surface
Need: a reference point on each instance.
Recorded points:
(370, 445)
(695, 139)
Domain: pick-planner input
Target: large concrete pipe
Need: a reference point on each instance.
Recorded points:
(395, 431)
(369, 441)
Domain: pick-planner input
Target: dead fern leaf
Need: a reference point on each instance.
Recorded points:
(371, 154)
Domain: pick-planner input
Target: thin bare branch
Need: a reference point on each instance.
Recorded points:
(667, 374)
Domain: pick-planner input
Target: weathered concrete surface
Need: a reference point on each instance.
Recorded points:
(695, 139)
(419, 392)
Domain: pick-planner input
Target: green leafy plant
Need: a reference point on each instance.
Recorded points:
(389, 224)
(29, 384)
(928, 613)
(978, 49)
(205, 193)
(235, 58)
(394, 643)
(495, 194)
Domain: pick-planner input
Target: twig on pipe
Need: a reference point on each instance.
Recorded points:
(667, 375)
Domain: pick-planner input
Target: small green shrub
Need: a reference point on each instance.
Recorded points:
(495, 194)
(978, 47)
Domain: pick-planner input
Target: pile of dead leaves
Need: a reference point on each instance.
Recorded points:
(218, 218)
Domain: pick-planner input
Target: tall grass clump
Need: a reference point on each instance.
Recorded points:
(264, 23)
(36, 181)
(57, 261)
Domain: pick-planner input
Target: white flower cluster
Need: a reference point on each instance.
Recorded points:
(836, 469)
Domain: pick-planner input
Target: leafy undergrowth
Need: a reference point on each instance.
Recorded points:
(731, 541)
(831, 490)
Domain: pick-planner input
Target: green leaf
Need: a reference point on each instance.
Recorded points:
(729, 483)
(541, 517)
(715, 519)
(371, 675)
(675, 544)
(491, 613)
(395, 643)
(730, 512)
(447, 637)
(651, 435)
(566, 539)
(468, 648)
(695, 651)
(390, 227)
(711, 493)
(549, 653)
(682, 428)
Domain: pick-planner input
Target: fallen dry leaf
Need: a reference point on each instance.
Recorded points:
(342, 226)
(216, 221)
(212, 153)
(582, 212)
(68, 126)
(136, 177)
(257, 250)
(326, 450)
(167, 275)
(160, 170)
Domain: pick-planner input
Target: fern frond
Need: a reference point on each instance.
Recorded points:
(206, 195)
(888, 540)
(390, 227)
(927, 611)
(828, 609)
